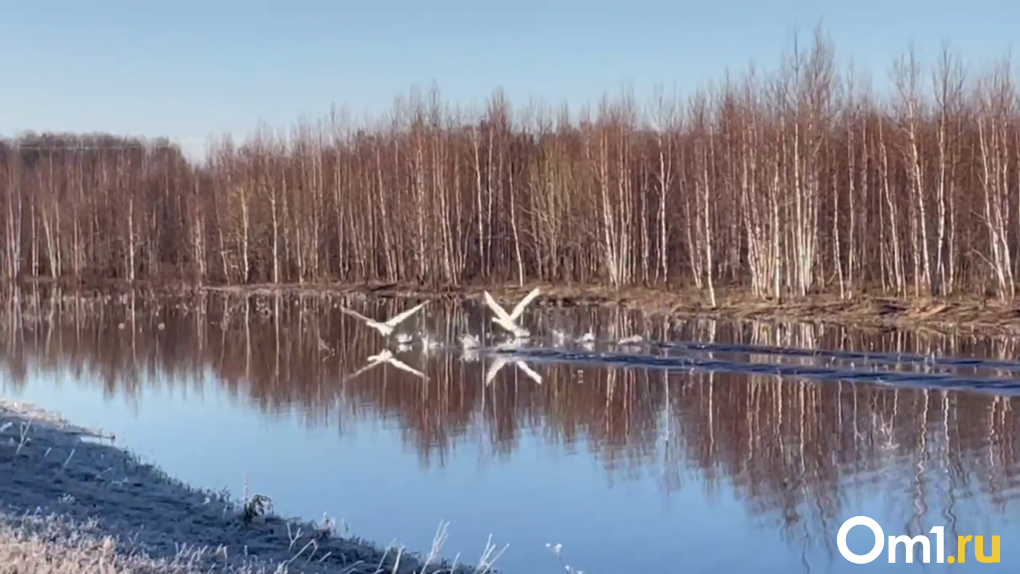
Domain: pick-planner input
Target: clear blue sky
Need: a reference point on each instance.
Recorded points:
(187, 69)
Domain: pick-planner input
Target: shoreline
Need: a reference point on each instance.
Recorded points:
(71, 501)
(944, 315)
(957, 314)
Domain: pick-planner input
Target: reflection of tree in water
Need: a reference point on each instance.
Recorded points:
(795, 451)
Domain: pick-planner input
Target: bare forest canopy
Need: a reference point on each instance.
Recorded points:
(786, 183)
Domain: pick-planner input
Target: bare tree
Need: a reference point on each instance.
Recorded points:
(785, 182)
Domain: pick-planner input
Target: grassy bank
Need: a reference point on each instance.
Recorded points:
(72, 502)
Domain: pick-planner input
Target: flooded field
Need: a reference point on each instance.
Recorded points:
(704, 445)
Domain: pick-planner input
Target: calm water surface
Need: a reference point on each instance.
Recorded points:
(726, 445)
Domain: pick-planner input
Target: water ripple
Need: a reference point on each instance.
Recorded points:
(941, 381)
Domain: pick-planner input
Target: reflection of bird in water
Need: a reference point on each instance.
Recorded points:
(386, 356)
(403, 342)
(501, 362)
(386, 328)
(508, 321)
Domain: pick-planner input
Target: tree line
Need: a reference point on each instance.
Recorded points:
(796, 181)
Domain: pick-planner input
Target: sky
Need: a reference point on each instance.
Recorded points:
(193, 69)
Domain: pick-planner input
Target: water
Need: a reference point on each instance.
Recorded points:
(723, 445)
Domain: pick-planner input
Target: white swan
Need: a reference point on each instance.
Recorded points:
(386, 328)
(559, 337)
(386, 356)
(428, 344)
(587, 340)
(508, 322)
(631, 342)
(469, 341)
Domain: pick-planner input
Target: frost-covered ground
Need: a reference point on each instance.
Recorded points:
(72, 502)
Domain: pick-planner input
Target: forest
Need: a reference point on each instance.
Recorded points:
(799, 180)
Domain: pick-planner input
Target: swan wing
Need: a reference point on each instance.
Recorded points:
(524, 303)
(403, 316)
(356, 315)
(493, 369)
(405, 367)
(529, 371)
(361, 370)
(497, 309)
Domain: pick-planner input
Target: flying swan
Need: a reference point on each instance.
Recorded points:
(386, 327)
(508, 322)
